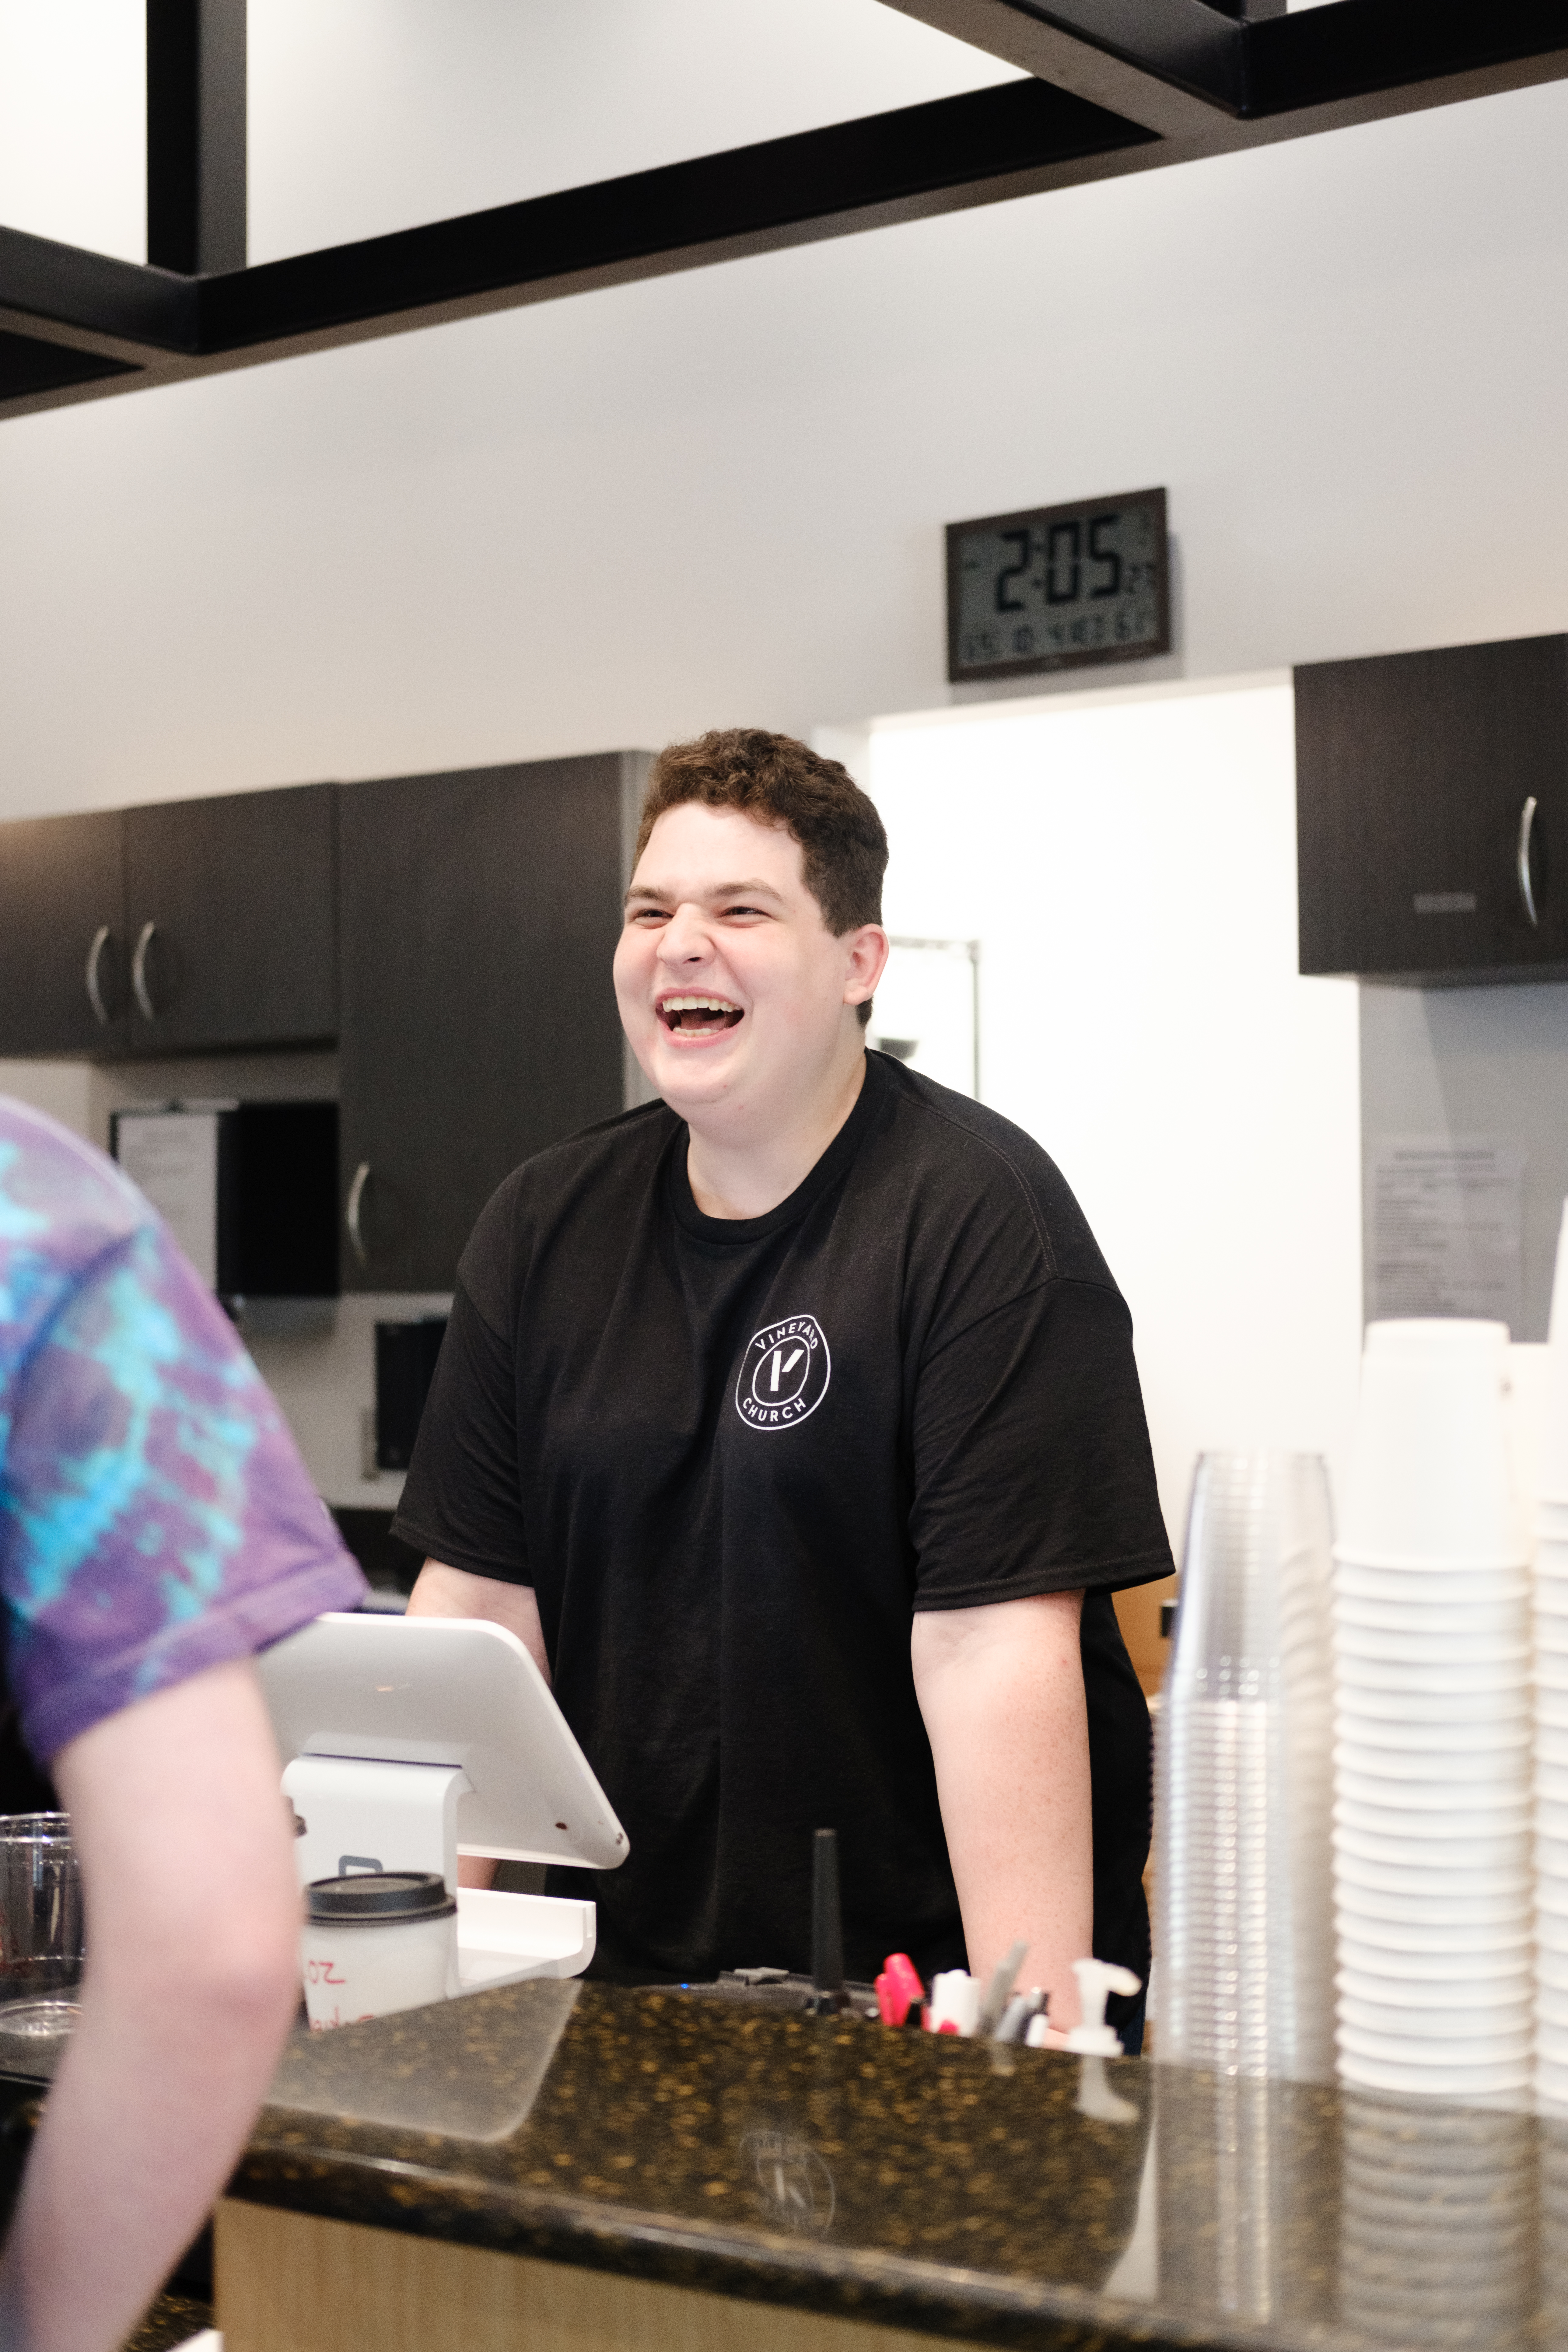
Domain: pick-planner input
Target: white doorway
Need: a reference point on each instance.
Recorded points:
(1126, 861)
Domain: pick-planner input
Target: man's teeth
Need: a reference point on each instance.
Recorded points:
(695, 1015)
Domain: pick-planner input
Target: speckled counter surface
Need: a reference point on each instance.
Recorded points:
(1019, 2199)
(173, 2321)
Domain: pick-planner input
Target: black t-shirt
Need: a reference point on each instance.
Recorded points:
(731, 1457)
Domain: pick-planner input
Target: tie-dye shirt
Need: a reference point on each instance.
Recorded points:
(155, 1517)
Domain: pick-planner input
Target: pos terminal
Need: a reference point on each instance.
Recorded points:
(409, 1740)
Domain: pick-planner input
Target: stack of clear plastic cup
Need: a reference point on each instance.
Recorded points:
(1432, 1896)
(1552, 1807)
(1222, 2152)
(1242, 1873)
(1438, 2225)
(1550, 1631)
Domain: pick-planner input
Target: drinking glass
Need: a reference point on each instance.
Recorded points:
(41, 1947)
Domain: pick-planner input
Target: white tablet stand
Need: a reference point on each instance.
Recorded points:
(409, 1740)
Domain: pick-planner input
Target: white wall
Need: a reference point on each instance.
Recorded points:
(1128, 865)
(720, 495)
(327, 1389)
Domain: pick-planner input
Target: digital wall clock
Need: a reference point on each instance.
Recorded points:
(1058, 587)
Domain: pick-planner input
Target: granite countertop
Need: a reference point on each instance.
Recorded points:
(1014, 2198)
(172, 2322)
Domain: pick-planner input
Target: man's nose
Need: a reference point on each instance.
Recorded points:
(685, 938)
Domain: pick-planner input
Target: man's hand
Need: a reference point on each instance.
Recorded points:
(443, 1592)
(1001, 1690)
(193, 1977)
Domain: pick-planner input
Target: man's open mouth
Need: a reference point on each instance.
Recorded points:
(696, 1014)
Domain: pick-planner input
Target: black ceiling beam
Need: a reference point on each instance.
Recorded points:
(1091, 110)
(196, 135)
(1176, 66)
(94, 302)
(1327, 57)
(28, 364)
(1184, 44)
(1211, 84)
(812, 184)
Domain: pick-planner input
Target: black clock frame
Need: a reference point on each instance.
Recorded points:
(1045, 518)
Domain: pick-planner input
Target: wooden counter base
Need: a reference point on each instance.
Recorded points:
(291, 2282)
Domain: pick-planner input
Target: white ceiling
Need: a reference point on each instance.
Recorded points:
(371, 115)
(73, 144)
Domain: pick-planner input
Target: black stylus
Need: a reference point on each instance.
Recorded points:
(826, 1927)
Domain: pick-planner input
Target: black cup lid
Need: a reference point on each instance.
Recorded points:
(378, 1896)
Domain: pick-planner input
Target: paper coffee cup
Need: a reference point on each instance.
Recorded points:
(375, 1943)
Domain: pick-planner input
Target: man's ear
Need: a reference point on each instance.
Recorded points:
(869, 952)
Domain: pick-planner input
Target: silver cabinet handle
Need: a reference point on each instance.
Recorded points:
(1526, 887)
(145, 937)
(351, 1215)
(94, 992)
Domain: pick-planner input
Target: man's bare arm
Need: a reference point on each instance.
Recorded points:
(443, 1592)
(193, 1978)
(1001, 1691)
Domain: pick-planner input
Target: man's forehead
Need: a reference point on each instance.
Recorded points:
(745, 887)
(698, 852)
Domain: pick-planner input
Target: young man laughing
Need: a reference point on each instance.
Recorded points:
(792, 1421)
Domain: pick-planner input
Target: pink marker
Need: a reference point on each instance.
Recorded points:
(899, 1989)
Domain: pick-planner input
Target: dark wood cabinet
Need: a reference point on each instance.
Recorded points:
(1432, 814)
(231, 912)
(64, 965)
(453, 933)
(479, 916)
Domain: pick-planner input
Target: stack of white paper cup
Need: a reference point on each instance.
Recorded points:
(1242, 1875)
(1433, 1894)
(1530, 1373)
(1438, 2226)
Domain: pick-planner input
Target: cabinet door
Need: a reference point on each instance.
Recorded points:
(64, 970)
(231, 919)
(480, 914)
(1414, 773)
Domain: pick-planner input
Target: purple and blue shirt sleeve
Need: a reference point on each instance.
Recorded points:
(155, 1517)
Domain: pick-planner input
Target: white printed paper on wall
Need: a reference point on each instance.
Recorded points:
(1445, 1218)
(172, 1158)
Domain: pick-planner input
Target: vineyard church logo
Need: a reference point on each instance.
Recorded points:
(784, 1373)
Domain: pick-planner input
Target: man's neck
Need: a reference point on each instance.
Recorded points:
(735, 1179)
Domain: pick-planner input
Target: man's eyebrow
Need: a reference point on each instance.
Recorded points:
(753, 889)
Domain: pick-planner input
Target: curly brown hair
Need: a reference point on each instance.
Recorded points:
(776, 781)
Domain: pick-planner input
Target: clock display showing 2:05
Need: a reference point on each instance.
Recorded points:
(1058, 587)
